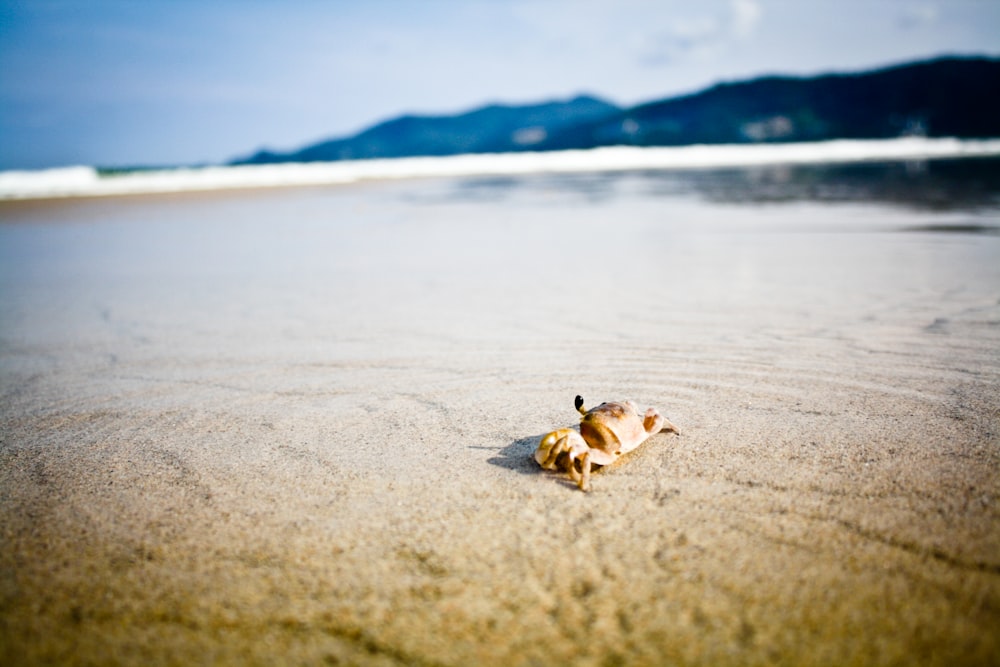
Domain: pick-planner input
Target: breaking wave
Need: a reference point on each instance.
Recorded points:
(85, 181)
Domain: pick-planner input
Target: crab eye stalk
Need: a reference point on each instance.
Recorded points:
(579, 403)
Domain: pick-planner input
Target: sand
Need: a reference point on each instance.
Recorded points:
(295, 427)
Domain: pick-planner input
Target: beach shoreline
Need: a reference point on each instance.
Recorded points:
(82, 181)
(298, 428)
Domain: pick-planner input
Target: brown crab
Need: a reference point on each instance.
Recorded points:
(605, 433)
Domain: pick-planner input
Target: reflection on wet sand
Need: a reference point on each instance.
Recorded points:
(939, 185)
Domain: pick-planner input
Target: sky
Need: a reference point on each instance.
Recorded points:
(171, 82)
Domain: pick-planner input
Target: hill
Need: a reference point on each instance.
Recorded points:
(948, 97)
(958, 97)
(491, 129)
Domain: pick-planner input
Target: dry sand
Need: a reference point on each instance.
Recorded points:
(295, 428)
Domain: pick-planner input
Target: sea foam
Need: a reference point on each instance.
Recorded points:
(85, 181)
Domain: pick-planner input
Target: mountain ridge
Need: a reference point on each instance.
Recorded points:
(947, 96)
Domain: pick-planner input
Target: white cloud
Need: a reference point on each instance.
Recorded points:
(744, 17)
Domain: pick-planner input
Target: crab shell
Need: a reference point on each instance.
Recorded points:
(613, 429)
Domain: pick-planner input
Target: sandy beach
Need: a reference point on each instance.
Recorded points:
(296, 426)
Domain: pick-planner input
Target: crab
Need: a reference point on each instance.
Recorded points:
(605, 433)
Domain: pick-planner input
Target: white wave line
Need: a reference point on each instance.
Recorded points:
(88, 182)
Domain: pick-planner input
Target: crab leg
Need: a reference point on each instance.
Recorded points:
(584, 483)
(582, 479)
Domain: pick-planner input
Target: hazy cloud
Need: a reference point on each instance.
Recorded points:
(702, 36)
(918, 16)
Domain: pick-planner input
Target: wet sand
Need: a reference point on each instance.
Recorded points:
(295, 428)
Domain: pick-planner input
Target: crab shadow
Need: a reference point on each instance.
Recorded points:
(518, 456)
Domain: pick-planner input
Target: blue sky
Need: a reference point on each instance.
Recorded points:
(180, 82)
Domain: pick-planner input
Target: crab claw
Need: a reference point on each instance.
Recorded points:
(555, 443)
(566, 441)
